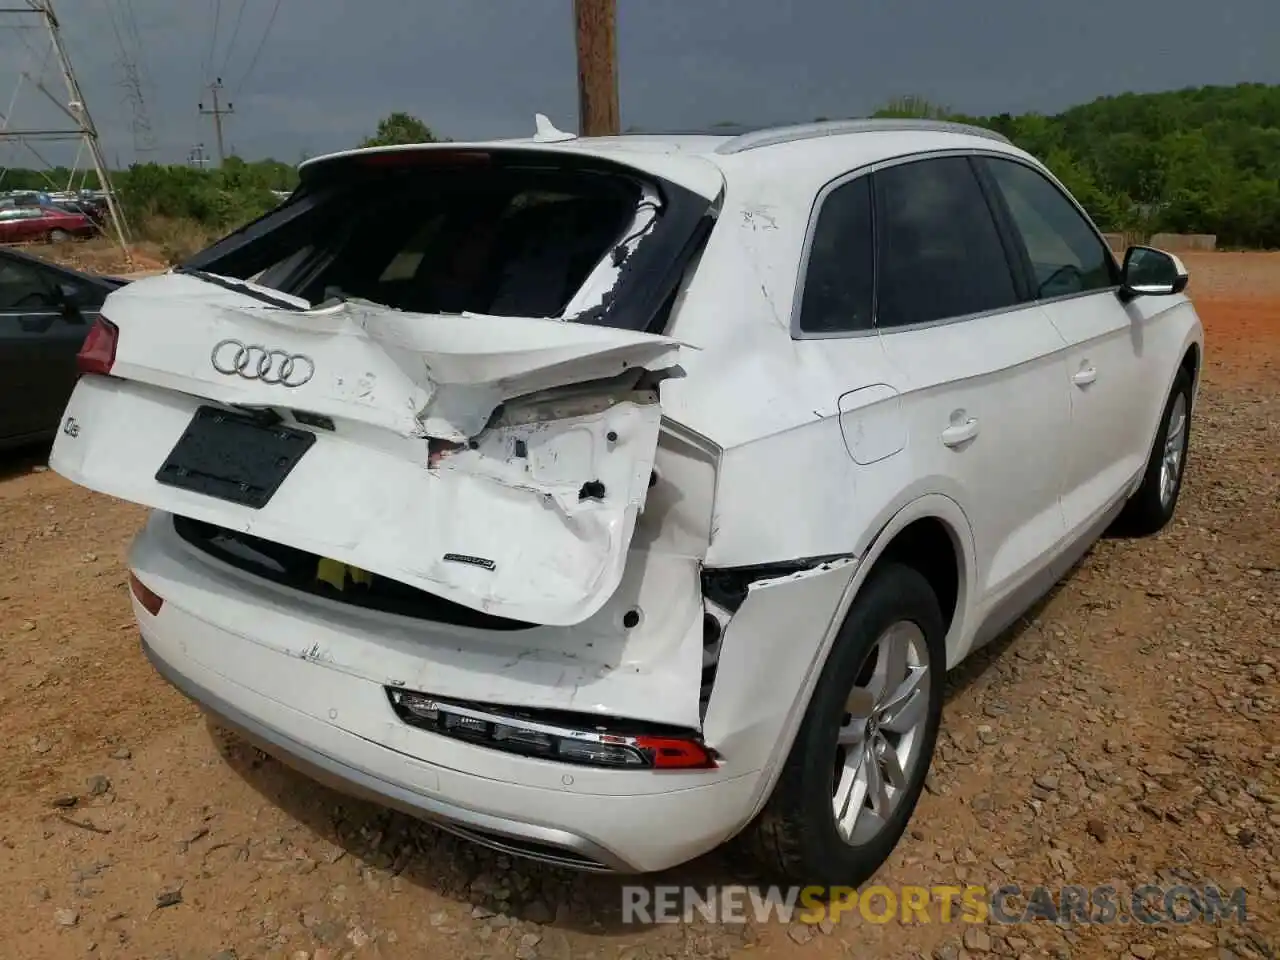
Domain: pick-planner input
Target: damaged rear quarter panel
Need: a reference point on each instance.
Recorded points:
(772, 644)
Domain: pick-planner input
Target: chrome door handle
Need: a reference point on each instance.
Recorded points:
(1085, 376)
(960, 433)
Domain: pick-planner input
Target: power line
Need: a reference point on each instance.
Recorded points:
(131, 21)
(140, 49)
(235, 32)
(213, 40)
(253, 61)
(143, 136)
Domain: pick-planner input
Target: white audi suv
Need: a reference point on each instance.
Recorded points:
(602, 499)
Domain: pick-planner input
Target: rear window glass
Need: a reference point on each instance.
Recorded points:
(509, 242)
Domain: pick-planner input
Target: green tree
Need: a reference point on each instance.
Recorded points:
(400, 128)
(913, 107)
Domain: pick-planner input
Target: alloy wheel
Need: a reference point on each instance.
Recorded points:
(883, 727)
(1172, 457)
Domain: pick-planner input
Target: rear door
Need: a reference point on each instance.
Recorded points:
(38, 344)
(978, 371)
(1075, 278)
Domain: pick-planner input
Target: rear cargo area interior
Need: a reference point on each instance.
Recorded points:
(318, 576)
(507, 243)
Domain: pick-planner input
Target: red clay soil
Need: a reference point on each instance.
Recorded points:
(1238, 295)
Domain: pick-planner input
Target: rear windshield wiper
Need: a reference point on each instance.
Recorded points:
(238, 287)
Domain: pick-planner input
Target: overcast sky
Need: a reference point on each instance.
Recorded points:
(477, 68)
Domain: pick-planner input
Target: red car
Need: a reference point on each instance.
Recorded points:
(25, 224)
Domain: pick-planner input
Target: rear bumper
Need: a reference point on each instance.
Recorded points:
(547, 844)
(322, 708)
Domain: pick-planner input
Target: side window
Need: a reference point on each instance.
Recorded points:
(23, 287)
(1067, 256)
(940, 251)
(840, 273)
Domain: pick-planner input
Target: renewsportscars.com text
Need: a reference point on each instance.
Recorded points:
(942, 903)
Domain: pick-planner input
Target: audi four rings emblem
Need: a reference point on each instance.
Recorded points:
(255, 362)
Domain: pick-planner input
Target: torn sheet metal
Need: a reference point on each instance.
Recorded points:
(773, 643)
(555, 524)
(544, 488)
(418, 375)
(609, 665)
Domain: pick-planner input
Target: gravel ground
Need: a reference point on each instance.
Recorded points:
(1126, 733)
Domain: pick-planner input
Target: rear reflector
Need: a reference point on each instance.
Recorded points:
(98, 351)
(585, 746)
(150, 600)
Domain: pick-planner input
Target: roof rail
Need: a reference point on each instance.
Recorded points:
(830, 128)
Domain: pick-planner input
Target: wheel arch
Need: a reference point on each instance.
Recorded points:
(934, 513)
(1190, 357)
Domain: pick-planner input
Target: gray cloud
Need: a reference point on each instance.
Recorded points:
(481, 68)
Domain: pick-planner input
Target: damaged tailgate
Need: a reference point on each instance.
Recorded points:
(498, 462)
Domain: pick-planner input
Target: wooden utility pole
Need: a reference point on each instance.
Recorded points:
(218, 113)
(596, 28)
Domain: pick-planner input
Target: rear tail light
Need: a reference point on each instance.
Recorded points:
(98, 352)
(150, 600)
(673, 753)
(584, 746)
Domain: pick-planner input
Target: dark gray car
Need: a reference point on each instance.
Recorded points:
(45, 313)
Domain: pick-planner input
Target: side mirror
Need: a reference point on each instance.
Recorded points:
(70, 298)
(69, 295)
(1149, 272)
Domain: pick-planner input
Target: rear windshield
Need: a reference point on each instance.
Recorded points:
(504, 239)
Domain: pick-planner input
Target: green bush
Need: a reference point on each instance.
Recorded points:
(218, 199)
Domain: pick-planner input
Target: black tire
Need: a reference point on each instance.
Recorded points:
(795, 836)
(1147, 511)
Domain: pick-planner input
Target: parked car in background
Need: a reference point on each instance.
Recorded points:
(601, 499)
(45, 313)
(25, 198)
(95, 209)
(53, 224)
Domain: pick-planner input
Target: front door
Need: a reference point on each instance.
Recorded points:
(1075, 279)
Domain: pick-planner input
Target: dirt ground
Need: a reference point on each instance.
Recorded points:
(100, 255)
(1126, 733)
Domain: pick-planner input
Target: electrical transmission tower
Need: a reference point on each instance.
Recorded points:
(79, 126)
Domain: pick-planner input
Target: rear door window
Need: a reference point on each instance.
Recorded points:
(840, 275)
(23, 287)
(940, 253)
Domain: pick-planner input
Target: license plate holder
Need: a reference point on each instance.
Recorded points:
(234, 457)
